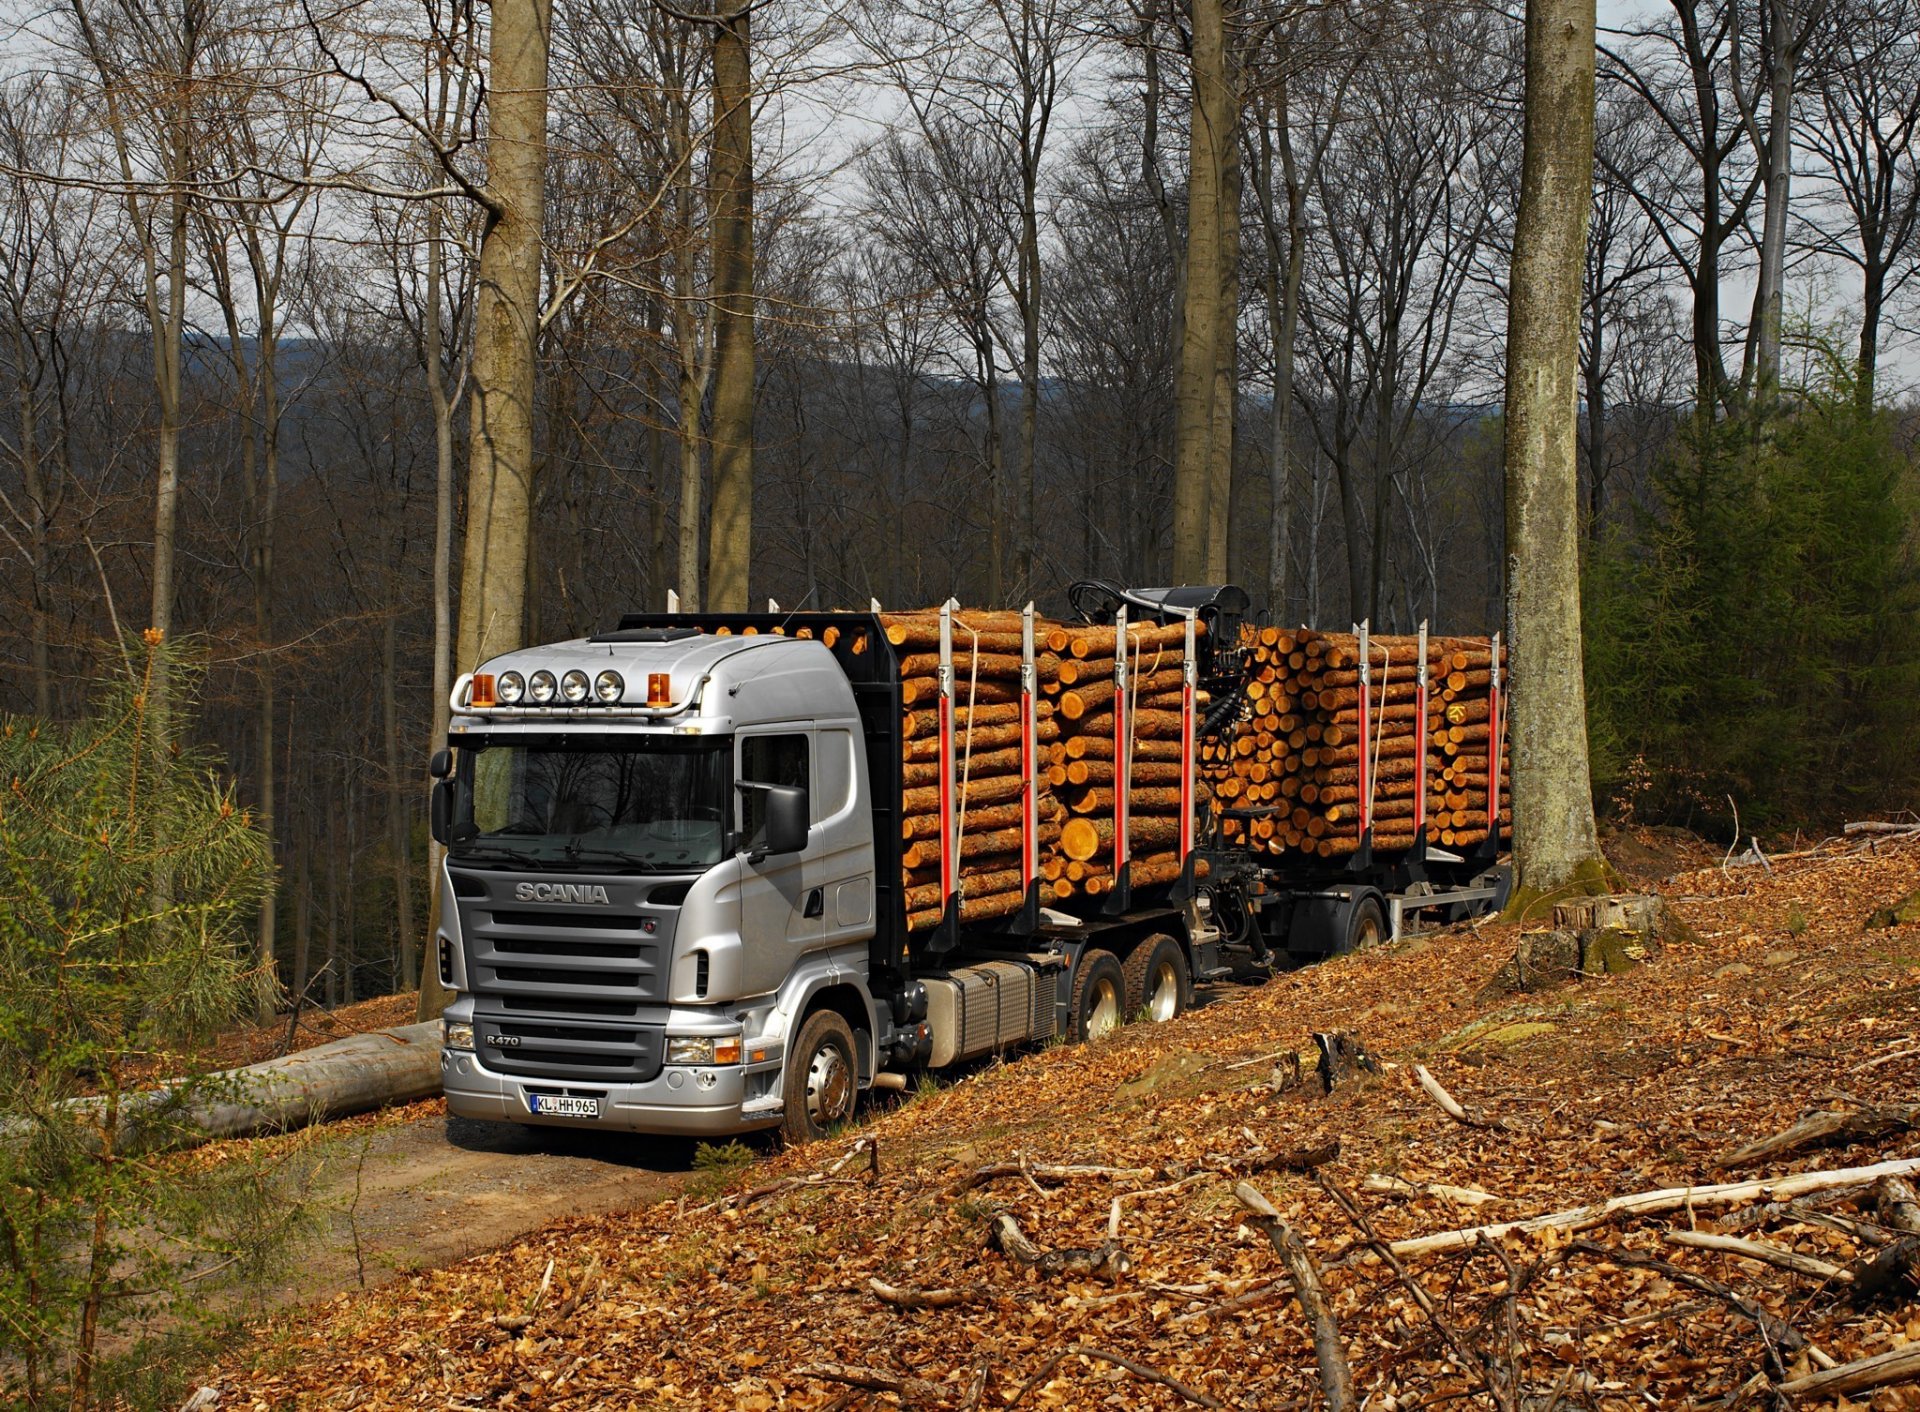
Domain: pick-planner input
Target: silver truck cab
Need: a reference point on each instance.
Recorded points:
(626, 949)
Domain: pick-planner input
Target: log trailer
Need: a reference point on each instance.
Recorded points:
(673, 898)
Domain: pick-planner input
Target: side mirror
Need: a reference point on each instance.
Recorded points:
(784, 811)
(786, 819)
(441, 765)
(440, 812)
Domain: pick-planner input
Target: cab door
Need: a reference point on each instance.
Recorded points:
(780, 910)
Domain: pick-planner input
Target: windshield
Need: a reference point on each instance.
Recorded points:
(657, 805)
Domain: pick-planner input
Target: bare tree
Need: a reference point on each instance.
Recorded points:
(1866, 139)
(493, 585)
(1300, 67)
(1555, 842)
(49, 269)
(1203, 288)
(1624, 299)
(1681, 68)
(731, 182)
(1783, 30)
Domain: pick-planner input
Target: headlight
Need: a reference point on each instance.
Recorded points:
(703, 1049)
(511, 687)
(573, 686)
(458, 1036)
(542, 686)
(609, 686)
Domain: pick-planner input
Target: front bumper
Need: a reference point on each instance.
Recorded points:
(677, 1102)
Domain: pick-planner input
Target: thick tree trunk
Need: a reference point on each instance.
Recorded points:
(493, 586)
(1554, 835)
(1200, 312)
(730, 542)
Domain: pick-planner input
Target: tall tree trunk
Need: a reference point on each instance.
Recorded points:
(730, 542)
(33, 482)
(988, 363)
(691, 388)
(1777, 179)
(1226, 488)
(1596, 383)
(302, 910)
(399, 805)
(433, 999)
(1555, 841)
(493, 587)
(1286, 268)
(266, 679)
(1201, 314)
(1873, 306)
(1029, 282)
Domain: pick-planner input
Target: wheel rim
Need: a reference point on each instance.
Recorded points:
(829, 1086)
(1104, 1017)
(1163, 996)
(1368, 935)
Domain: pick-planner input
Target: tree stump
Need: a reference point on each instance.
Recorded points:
(1592, 936)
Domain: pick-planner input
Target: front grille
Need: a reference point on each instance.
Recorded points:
(551, 984)
(548, 1049)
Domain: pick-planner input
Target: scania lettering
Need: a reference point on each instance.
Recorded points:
(673, 902)
(561, 892)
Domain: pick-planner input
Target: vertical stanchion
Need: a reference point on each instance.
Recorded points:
(1496, 731)
(1122, 755)
(1365, 791)
(1420, 743)
(1029, 761)
(1189, 672)
(949, 852)
(1189, 752)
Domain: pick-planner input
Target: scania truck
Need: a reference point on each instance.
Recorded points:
(672, 896)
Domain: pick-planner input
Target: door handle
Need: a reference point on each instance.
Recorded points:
(816, 904)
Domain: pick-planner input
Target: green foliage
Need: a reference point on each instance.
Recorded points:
(127, 873)
(1756, 636)
(717, 1165)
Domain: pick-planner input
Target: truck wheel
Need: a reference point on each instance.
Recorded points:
(1157, 979)
(1099, 996)
(1366, 926)
(821, 1080)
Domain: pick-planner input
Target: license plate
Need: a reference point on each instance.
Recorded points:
(563, 1105)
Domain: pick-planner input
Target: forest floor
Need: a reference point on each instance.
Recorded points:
(752, 1289)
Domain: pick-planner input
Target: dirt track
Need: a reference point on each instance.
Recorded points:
(431, 1190)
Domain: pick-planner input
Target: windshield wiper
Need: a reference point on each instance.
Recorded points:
(575, 853)
(484, 853)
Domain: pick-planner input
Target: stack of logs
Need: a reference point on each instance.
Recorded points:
(1289, 777)
(988, 783)
(1080, 764)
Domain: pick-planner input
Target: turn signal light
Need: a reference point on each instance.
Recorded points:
(482, 694)
(659, 689)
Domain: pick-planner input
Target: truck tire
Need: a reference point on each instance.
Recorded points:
(1366, 926)
(1099, 996)
(821, 1081)
(1158, 982)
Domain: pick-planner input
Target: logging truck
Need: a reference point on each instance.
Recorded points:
(712, 872)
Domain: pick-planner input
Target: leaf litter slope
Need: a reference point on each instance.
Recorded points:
(1618, 1085)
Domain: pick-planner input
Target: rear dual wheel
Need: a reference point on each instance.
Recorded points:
(1158, 982)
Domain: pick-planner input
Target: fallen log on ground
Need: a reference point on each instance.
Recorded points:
(1827, 1129)
(335, 1080)
(1649, 1203)
(1336, 1377)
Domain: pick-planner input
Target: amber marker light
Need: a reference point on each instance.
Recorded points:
(659, 689)
(482, 694)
